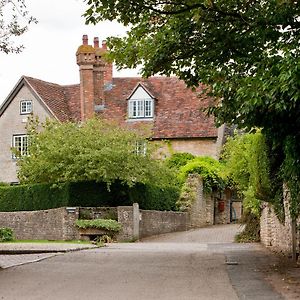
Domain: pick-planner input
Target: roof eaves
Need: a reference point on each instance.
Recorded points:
(12, 94)
(140, 84)
(41, 99)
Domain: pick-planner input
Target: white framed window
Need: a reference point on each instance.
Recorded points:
(140, 108)
(20, 144)
(141, 148)
(25, 107)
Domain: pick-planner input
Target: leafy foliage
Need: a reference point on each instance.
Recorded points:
(6, 234)
(251, 232)
(178, 160)
(247, 52)
(107, 224)
(87, 194)
(187, 196)
(208, 168)
(247, 164)
(93, 151)
(14, 21)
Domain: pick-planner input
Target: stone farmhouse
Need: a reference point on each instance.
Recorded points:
(171, 110)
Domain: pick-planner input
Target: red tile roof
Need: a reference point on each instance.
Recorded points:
(177, 114)
(58, 98)
(178, 111)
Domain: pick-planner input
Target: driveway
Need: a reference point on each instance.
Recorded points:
(199, 264)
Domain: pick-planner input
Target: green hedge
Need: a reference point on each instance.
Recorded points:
(85, 194)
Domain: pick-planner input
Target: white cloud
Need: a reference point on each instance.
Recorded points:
(52, 43)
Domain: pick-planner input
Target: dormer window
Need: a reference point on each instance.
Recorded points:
(141, 108)
(25, 107)
(140, 105)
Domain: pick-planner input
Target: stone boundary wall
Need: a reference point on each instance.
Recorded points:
(158, 222)
(59, 223)
(273, 234)
(51, 224)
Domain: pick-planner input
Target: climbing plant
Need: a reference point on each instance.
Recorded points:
(247, 165)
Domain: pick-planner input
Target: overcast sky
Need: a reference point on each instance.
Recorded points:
(50, 45)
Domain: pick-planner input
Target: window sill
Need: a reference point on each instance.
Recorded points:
(140, 119)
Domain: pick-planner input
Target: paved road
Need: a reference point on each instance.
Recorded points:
(190, 266)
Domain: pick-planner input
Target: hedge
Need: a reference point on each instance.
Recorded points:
(85, 194)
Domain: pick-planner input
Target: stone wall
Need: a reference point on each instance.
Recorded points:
(52, 224)
(98, 213)
(275, 234)
(158, 222)
(59, 223)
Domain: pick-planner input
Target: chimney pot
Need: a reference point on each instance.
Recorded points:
(96, 42)
(85, 39)
(104, 46)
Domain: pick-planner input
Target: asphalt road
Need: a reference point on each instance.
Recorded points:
(191, 266)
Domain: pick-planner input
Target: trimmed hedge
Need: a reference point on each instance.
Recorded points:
(85, 194)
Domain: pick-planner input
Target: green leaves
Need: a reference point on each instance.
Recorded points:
(106, 224)
(247, 165)
(14, 21)
(92, 151)
(208, 168)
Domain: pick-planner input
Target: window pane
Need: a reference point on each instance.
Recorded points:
(26, 106)
(148, 108)
(140, 110)
(20, 143)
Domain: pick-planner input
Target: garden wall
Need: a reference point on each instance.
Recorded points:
(58, 223)
(274, 234)
(51, 224)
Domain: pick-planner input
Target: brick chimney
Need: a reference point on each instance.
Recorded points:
(95, 72)
(108, 73)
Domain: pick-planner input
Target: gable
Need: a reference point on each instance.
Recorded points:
(140, 93)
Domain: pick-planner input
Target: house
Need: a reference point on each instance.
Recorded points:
(165, 104)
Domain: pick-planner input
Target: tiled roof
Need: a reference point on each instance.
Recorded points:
(57, 97)
(178, 110)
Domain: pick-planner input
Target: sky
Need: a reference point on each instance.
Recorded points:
(50, 45)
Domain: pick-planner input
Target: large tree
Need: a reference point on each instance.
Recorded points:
(92, 151)
(247, 52)
(14, 21)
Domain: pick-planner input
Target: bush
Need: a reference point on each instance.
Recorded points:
(6, 234)
(86, 194)
(208, 168)
(251, 232)
(178, 160)
(107, 224)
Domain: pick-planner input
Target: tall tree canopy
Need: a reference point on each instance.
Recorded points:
(14, 21)
(246, 51)
(93, 151)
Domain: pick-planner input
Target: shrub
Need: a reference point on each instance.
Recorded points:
(208, 168)
(6, 234)
(178, 160)
(251, 231)
(107, 224)
(87, 194)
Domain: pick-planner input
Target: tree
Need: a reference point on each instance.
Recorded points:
(247, 165)
(14, 21)
(93, 151)
(246, 52)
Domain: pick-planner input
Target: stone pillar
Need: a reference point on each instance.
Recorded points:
(136, 221)
(129, 217)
